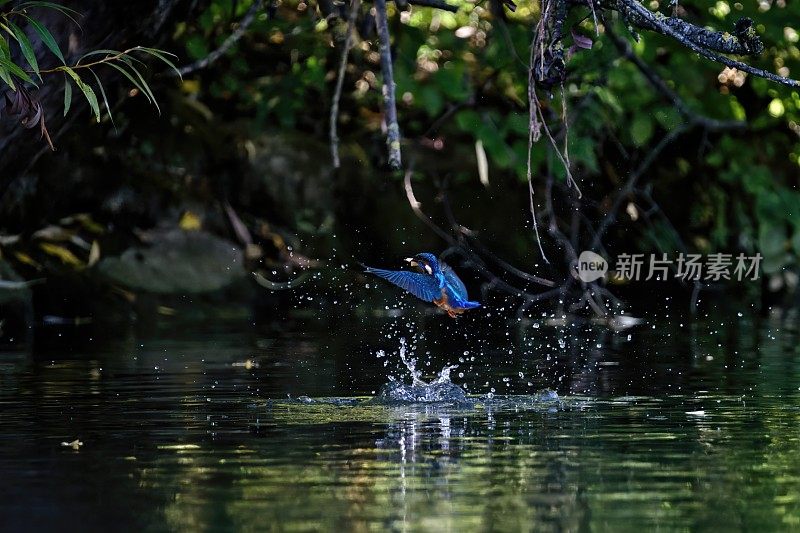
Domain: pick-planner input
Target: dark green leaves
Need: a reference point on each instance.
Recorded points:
(88, 92)
(46, 37)
(67, 95)
(14, 69)
(25, 47)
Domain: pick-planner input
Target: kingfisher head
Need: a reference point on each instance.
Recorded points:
(426, 262)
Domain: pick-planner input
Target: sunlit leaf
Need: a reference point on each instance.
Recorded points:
(87, 92)
(190, 221)
(64, 254)
(94, 254)
(26, 259)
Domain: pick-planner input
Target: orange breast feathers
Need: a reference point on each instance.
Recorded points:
(444, 304)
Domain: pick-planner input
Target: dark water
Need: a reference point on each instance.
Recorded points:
(669, 426)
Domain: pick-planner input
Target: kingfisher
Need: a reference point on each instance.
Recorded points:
(433, 282)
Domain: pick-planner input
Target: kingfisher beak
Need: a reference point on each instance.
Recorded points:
(411, 261)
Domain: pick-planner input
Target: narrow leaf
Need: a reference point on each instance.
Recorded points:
(15, 70)
(130, 78)
(483, 163)
(109, 54)
(26, 48)
(67, 95)
(160, 54)
(5, 75)
(87, 91)
(145, 86)
(64, 10)
(47, 38)
(105, 99)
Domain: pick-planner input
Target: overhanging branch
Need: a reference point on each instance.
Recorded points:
(707, 43)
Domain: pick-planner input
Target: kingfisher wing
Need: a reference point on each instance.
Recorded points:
(454, 281)
(422, 286)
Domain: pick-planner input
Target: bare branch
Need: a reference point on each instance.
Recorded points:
(533, 136)
(436, 4)
(232, 39)
(337, 94)
(390, 107)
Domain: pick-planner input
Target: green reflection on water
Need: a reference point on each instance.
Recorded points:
(179, 436)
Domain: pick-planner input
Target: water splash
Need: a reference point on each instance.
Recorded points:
(411, 364)
(441, 390)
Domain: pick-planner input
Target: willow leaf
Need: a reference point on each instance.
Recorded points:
(26, 48)
(145, 86)
(87, 91)
(47, 38)
(6, 77)
(67, 95)
(131, 79)
(162, 55)
(105, 99)
(64, 10)
(14, 69)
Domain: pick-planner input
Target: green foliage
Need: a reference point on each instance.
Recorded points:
(462, 78)
(124, 62)
(466, 73)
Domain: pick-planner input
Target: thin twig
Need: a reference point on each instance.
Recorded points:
(476, 261)
(232, 39)
(79, 65)
(533, 136)
(465, 233)
(570, 179)
(630, 184)
(390, 107)
(661, 86)
(337, 94)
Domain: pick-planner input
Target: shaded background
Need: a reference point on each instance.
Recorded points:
(164, 214)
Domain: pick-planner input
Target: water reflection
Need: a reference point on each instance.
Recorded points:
(685, 428)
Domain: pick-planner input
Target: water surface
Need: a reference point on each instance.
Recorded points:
(674, 427)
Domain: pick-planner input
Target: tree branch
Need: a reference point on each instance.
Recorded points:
(744, 40)
(390, 107)
(697, 41)
(436, 4)
(337, 94)
(661, 86)
(232, 39)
